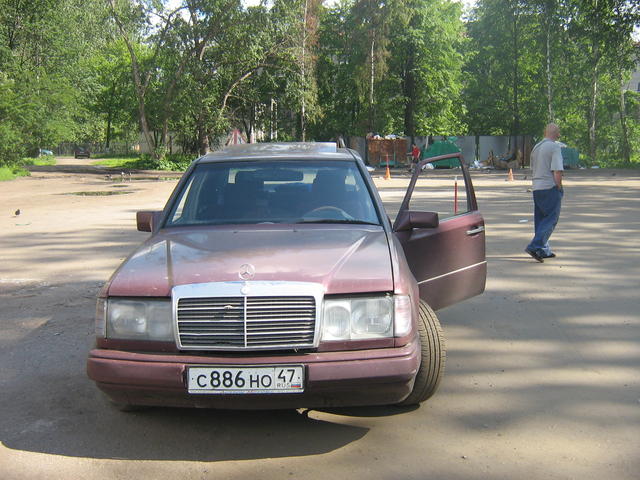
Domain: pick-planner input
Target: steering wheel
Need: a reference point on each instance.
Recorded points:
(328, 212)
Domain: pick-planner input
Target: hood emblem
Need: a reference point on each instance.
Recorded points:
(247, 271)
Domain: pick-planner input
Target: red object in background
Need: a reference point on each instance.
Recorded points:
(415, 153)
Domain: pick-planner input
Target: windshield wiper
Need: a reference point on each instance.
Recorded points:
(329, 220)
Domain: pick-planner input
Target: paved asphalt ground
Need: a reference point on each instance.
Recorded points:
(542, 380)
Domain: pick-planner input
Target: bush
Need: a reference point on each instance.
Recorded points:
(43, 160)
(9, 173)
(177, 162)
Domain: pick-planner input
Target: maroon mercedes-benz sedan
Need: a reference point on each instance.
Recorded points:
(274, 278)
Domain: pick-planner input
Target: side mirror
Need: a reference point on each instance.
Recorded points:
(147, 220)
(408, 220)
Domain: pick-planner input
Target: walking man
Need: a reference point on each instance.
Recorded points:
(546, 166)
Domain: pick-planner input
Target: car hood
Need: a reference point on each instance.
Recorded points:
(342, 258)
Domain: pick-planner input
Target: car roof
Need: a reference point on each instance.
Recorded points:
(280, 151)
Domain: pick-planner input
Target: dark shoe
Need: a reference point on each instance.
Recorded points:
(535, 255)
(551, 255)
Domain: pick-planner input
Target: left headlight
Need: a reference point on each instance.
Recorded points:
(139, 319)
(358, 318)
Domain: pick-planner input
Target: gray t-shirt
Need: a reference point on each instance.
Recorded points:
(546, 157)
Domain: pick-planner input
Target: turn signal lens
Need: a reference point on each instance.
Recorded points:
(101, 317)
(402, 318)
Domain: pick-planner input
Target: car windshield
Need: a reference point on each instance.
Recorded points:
(274, 192)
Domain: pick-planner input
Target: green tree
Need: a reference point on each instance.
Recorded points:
(505, 85)
(603, 29)
(428, 61)
(370, 21)
(340, 104)
(44, 44)
(112, 99)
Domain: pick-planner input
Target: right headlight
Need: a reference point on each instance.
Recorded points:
(361, 318)
(139, 319)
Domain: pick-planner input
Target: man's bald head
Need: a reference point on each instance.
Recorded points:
(552, 132)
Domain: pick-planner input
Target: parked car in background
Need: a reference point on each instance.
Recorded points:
(273, 278)
(81, 152)
(44, 153)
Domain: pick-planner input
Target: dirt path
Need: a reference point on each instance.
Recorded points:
(543, 377)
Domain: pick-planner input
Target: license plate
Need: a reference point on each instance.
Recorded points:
(250, 379)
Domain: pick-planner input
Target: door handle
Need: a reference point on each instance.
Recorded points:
(476, 230)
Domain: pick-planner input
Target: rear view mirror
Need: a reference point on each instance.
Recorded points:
(408, 220)
(147, 220)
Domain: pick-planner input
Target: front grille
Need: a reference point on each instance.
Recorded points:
(256, 322)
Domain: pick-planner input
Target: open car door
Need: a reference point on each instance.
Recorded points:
(442, 233)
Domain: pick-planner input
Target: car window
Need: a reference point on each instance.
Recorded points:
(274, 192)
(440, 190)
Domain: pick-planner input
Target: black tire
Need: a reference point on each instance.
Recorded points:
(433, 355)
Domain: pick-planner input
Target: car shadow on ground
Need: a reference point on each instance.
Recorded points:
(370, 411)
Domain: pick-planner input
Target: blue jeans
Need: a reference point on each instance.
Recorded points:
(546, 214)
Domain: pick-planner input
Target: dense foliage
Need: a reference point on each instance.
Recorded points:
(178, 75)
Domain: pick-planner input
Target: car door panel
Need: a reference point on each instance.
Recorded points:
(447, 260)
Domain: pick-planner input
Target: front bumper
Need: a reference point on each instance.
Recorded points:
(364, 377)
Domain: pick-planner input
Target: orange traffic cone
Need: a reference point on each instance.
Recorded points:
(510, 176)
(387, 174)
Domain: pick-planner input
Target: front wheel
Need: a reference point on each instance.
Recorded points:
(433, 355)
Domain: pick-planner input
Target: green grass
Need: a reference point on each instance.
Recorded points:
(9, 173)
(44, 160)
(115, 155)
(129, 162)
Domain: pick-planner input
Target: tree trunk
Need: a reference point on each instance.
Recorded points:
(110, 117)
(593, 103)
(371, 84)
(273, 120)
(515, 128)
(107, 143)
(410, 96)
(549, 12)
(303, 127)
(249, 123)
(203, 138)
(140, 88)
(626, 150)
